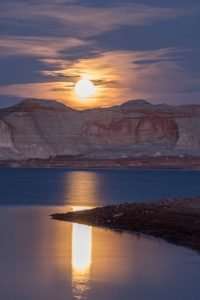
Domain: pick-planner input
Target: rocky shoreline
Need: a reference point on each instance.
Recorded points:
(163, 162)
(176, 221)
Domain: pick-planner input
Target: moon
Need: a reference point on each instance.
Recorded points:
(84, 88)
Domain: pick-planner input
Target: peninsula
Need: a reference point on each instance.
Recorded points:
(177, 221)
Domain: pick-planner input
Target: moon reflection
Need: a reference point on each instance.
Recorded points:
(81, 248)
(83, 189)
(81, 257)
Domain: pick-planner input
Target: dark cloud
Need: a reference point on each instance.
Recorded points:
(106, 83)
(17, 69)
(181, 32)
(81, 52)
(59, 89)
(40, 26)
(62, 77)
(6, 100)
(22, 70)
(161, 3)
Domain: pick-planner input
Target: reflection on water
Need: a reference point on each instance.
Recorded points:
(93, 187)
(60, 260)
(45, 259)
(82, 188)
(81, 248)
(81, 257)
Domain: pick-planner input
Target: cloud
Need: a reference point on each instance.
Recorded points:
(85, 21)
(37, 46)
(21, 69)
(129, 49)
(118, 76)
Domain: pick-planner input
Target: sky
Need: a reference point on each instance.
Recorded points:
(130, 49)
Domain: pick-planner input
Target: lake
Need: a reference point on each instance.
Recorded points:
(45, 259)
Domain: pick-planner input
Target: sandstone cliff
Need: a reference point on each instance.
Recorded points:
(43, 129)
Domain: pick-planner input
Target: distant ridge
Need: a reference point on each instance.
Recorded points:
(136, 103)
(34, 104)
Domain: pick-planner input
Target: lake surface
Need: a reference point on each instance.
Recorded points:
(61, 187)
(45, 259)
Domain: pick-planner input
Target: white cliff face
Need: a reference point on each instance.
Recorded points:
(7, 147)
(6, 136)
(44, 129)
(189, 131)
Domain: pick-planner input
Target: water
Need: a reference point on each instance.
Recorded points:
(61, 187)
(45, 259)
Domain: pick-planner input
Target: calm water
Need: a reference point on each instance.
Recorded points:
(45, 259)
(60, 187)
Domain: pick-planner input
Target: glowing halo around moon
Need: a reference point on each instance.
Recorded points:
(84, 88)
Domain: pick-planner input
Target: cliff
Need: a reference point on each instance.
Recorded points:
(40, 129)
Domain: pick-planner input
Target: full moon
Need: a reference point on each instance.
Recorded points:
(84, 88)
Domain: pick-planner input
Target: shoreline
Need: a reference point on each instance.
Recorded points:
(175, 221)
(146, 162)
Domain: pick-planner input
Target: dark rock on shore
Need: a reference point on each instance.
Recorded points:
(174, 221)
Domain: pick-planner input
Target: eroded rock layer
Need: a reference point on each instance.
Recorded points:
(43, 129)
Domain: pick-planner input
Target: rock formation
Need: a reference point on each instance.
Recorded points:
(44, 129)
